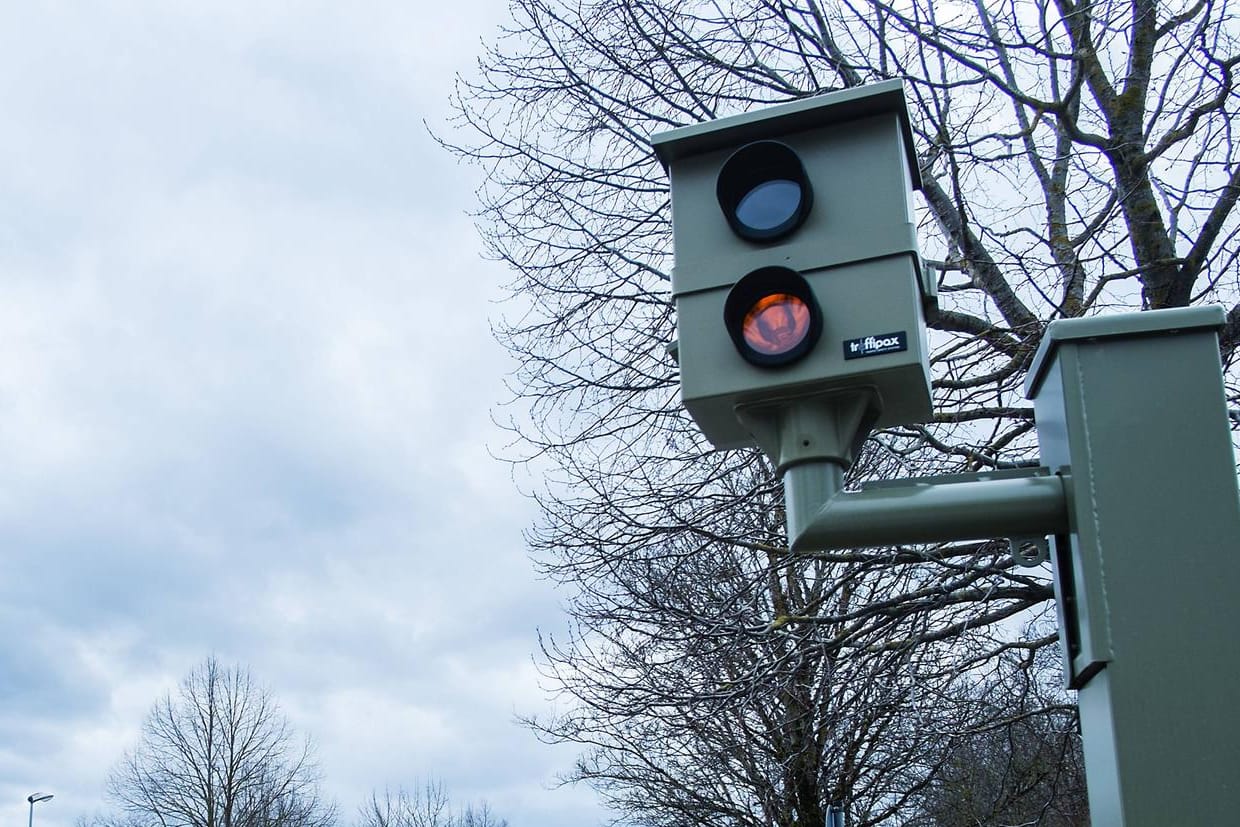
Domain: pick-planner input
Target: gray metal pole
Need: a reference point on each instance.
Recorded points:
(32, 799)
(1146, 582)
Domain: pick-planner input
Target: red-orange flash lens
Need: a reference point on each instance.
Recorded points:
(776, 324)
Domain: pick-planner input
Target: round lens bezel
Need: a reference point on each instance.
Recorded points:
(750, 167)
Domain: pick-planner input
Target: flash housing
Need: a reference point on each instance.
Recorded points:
(748, 293)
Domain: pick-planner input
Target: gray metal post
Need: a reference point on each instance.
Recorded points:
(1147, 581)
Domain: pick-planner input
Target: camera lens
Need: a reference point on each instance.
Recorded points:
(769, 205)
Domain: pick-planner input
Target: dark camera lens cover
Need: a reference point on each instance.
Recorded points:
(763, 191)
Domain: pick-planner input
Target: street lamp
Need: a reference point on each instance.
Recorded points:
(32, 798)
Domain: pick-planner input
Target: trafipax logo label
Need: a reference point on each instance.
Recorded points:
(875, 345)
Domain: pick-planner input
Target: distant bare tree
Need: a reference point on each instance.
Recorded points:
(479, 815)
(218, 753)
(421, 806)
(427, 805)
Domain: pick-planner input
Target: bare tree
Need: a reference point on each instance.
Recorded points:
(218, 753)
(1026, 772)
(480, 815)
(427, 805)
(1021, 764)
(1076, 158)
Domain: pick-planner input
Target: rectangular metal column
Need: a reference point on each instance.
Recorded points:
(1148, 581)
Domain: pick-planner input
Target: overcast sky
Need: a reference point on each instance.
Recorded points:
(246, 379)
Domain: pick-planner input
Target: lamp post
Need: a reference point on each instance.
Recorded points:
(34, 797)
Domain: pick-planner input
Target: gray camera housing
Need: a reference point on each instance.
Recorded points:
(857, 249)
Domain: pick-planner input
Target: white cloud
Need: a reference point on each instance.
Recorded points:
(245, 380)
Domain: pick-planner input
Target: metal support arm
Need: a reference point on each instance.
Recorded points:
(922, 511)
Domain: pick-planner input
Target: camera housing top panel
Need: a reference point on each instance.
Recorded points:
(796, 265)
